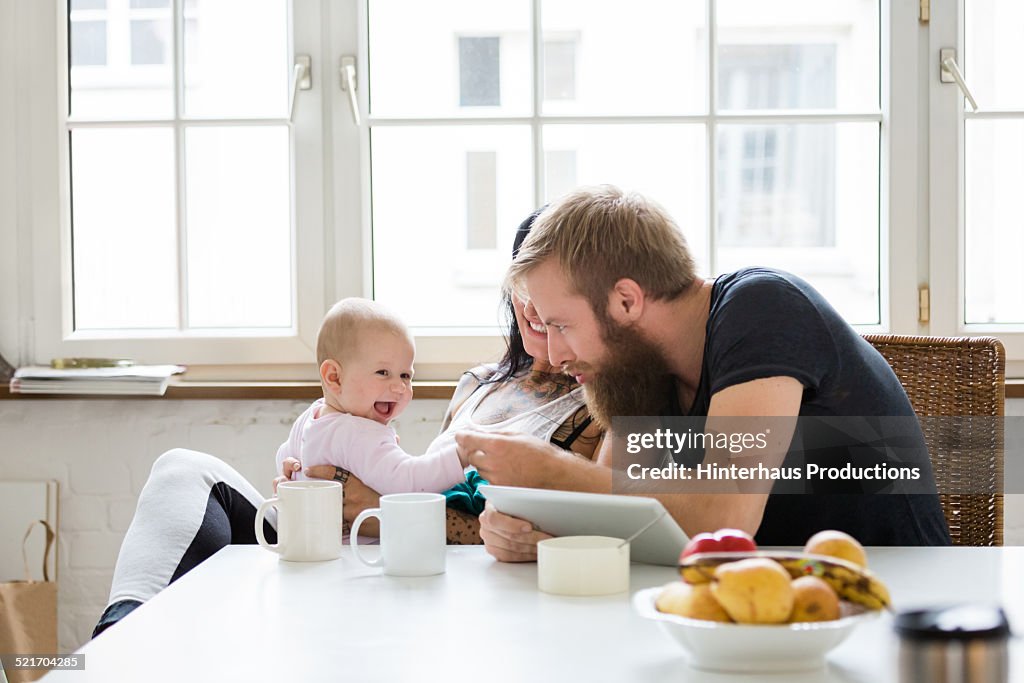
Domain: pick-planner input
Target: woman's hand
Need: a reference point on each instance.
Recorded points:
(509, 539)
(289, 466)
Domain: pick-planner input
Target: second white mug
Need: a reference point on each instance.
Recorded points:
(412, 534)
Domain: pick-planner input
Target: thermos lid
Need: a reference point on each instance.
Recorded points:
(958, 622)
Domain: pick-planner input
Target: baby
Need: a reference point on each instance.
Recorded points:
(365, 356)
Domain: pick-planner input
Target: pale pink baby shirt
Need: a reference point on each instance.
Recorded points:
(370, 451)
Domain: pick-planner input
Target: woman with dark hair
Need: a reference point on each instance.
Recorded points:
(194, 504)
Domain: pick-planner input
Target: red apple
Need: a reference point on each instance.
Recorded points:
(722, 541)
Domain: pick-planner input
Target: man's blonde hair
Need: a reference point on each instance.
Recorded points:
(341, 328)
(602, 234)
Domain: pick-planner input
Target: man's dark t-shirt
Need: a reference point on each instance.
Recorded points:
(767, 323)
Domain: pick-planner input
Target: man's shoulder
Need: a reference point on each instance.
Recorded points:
(764, 292)
(757, 279)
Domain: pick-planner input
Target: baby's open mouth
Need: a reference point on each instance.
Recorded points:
(384, 408)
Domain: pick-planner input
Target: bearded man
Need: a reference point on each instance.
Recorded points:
(612, 278)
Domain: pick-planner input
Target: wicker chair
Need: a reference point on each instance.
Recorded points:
(958, 376)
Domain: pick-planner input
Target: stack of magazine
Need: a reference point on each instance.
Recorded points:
(138, 380)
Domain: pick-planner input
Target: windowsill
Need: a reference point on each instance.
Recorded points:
(296, 391)
(234, 391)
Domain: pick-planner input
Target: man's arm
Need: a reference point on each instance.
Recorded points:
(507, 459)
(772, 397)
(526, 461)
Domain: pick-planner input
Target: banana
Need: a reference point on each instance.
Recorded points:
(849, 581)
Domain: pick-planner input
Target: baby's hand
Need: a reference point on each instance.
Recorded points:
(289, 466)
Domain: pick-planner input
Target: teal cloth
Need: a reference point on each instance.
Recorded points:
(465, 497)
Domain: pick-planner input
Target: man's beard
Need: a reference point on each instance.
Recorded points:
(634, 380)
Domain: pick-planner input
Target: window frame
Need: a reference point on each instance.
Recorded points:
(946, 199)
(53, 333)
(443, 353)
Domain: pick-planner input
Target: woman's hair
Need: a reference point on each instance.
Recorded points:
(516, 358)
(599, 235)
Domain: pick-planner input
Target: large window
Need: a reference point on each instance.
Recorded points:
(185, 170)
(787, 124)
(173, 205)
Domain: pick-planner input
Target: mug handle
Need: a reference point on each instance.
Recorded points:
(260, 514)
(354, 537)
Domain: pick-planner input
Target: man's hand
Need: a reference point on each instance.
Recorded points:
(509, 459)
(289, 466)
(509, 539)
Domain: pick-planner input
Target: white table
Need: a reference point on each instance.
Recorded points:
(245, 616)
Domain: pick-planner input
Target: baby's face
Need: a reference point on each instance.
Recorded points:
(376, 382)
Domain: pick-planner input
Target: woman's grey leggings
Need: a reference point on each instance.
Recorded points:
(191, 506)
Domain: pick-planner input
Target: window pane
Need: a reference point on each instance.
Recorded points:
(125, 244)
(422, 214)
(239, 227)
(482, 200)
(658, 70)
(560, 175)
(559, 69)
(802, 54)
(803, 198)
(143, 4)
(479, 72)
(88, 43)
(993, 35)
(234, 69)
(129, 78)
(994, 170)
(151, 42)
(88, 4)
(441, 58)
(665, 162)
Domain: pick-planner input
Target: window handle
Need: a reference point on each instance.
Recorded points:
(348, 84)
(302, 79)
(950, 73)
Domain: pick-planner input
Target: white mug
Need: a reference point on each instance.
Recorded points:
(308, 521)
(413, 541)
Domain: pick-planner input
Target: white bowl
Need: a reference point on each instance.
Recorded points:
(583, 565)
(718, 646)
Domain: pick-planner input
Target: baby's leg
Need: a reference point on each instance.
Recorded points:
(191, 506)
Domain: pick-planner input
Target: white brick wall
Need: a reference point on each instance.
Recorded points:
(101, 453)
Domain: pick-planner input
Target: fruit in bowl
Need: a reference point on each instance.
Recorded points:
(851, 581)
(721, 541)
(813, 600)
(694, 602)
(783, 610)
(754, 591)
(837, 544)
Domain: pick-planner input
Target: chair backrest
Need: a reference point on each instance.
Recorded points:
(958, 376)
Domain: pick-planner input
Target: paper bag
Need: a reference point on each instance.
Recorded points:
(28, 615)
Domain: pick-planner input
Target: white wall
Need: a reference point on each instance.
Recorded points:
(101, 453)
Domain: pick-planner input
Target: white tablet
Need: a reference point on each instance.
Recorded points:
(570, 513)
